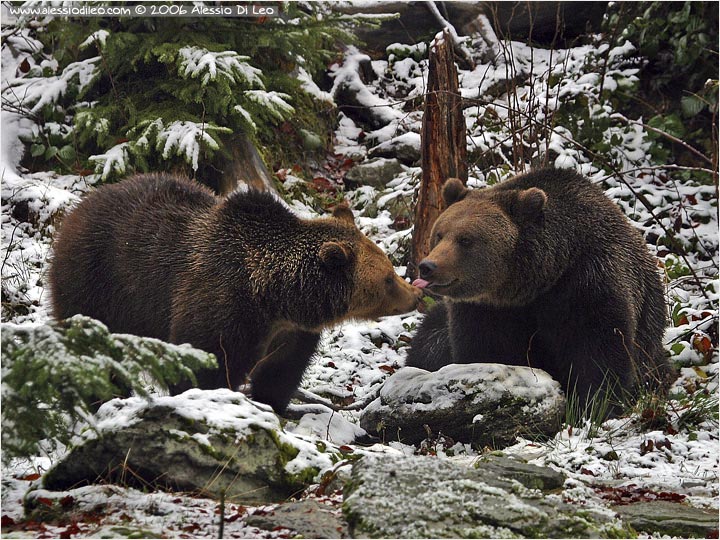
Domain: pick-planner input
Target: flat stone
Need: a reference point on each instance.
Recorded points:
(425, 497)
(669, 518)
(308, 518)
(531, 476)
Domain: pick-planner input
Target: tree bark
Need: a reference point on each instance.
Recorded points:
(443, 144)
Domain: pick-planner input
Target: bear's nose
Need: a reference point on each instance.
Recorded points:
(426, 268)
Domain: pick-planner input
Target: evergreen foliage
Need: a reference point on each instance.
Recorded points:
(54, 375)
(138, 94)
(679, 78)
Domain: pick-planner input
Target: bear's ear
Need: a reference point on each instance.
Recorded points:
(342, 211)
(335, 254)
(453, 191)
(531, 204)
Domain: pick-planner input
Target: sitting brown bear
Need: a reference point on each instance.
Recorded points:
(242, 277)
(543, 270)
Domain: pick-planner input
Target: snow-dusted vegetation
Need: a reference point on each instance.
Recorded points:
(67, 130)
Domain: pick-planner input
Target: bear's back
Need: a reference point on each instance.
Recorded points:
(117, 252)
(580, 216)
(603, 246)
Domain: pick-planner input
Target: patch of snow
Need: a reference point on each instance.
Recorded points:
(313, 89)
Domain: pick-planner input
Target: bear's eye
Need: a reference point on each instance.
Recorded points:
(465, 241)
(438, 236)
(389, 280)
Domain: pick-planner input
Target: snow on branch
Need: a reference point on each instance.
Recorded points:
(196, 62)
(273, 102)
(246, 116)
(185, 138)
(112, 161)
(34, 93)
(99, 38)
(182, 138)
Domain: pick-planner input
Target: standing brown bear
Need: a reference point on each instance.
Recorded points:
(543, 270)
(241, 277)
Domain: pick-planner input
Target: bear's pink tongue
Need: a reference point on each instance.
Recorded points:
(420, 283)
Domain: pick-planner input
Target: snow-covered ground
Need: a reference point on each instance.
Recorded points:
(355, 358)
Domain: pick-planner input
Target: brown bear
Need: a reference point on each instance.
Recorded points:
(543, 270)
(242, 277)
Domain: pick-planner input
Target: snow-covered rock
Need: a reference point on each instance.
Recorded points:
(212, 442)
(425, 497)
(405, 148)
(375, 172)
(482, 404)
(659, 518)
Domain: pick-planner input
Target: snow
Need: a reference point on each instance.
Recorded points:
(348, 75)
(355, 359)
(684, 466)
(328, 425)
(196, 62)
(452, 383)
(311, 88)
(220, 410)
(112, 161)
(274, 102)
(346, 136)
(34, 93)
(181, 138)
(99, 37)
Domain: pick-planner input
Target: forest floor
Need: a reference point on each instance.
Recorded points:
(632, 458)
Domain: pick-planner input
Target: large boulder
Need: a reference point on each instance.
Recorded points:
(424, 497)
(213, 442)
(483, 404)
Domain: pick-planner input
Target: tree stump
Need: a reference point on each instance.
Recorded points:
(442, 142)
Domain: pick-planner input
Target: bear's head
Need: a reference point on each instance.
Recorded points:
(377, 290)
(474, 241)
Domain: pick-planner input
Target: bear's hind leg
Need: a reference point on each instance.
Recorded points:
(593, 359)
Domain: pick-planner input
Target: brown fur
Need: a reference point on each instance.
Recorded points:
(544, 270)
(241, 277)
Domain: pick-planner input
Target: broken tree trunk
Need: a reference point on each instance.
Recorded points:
(443, 146)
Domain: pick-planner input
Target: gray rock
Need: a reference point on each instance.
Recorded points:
(424, 497)
(309, 519)
(405, 148)
(483, 404)
(375, 172)
(212, 442)
(669, 518)
(530, 476)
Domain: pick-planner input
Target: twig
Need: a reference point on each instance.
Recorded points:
(666, 135)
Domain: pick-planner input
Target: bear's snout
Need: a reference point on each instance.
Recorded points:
(427, 268)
